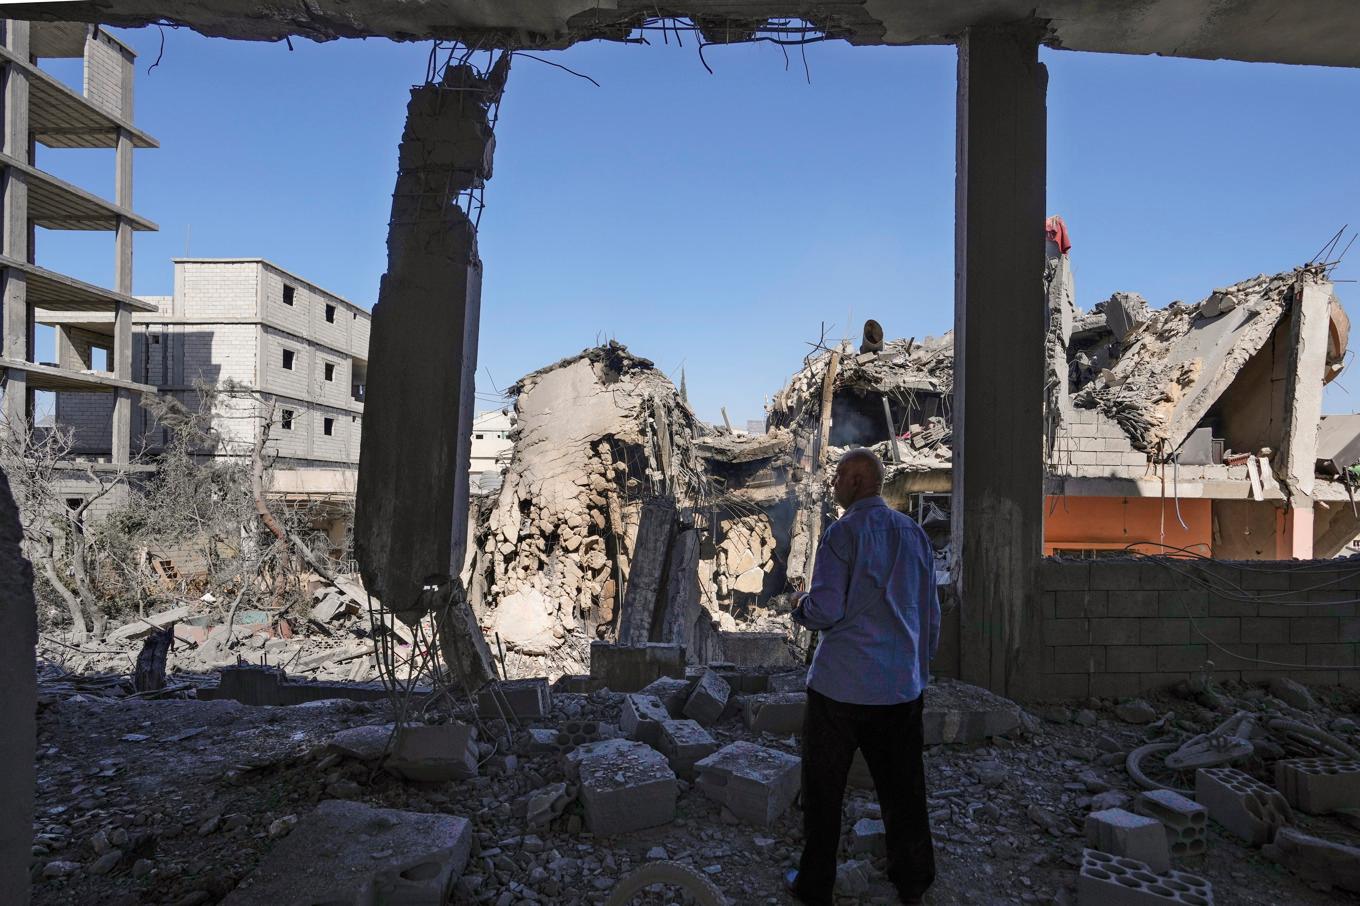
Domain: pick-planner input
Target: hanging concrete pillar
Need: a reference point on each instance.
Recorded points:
(411, 508)
(999, 367)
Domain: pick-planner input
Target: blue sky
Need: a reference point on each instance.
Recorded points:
(714, 222)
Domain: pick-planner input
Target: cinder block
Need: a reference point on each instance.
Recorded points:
(528, 699)
(1080, 604)
(573, 733)
(571, 761)
(1164, 631)
(1115, 632)
(709, 698)
(1317, 786)
(792, 681)
(1131, 659)
(755, 783)
(1244, 806)
(1185, 820)
(673, 692)
(780, 713)
(1067, 632)
(684, 743)
(1108, 880)
(641, 717)
(1123, 833)
(1132, 602)
(627, 791)
(434, 753)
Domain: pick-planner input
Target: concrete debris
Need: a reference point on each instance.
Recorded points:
(709, 698)
(546, 803)
(642, 717)
(685, 744)
(434, 754)
(1136, 711)
(672, 691)
(1122, 833)
(1319, 786)
(571, 761)
(869, 836)
(526, 699)
(1109, 880)
(1292, 693)
(960, 712)
(627, 791)
(1185, 821)
(1321, 861)
(630, 668)
(362, 743)
(1243, 805)
(346, 852)
(780, 713)
(755, 783)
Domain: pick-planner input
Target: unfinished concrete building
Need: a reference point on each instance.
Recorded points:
(94, 367)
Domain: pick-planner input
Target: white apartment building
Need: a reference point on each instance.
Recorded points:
(491, 443)
(282, 340)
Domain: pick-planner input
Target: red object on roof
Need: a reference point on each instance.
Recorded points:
(1056, 231)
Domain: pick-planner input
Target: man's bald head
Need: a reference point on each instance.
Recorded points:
(859, 474)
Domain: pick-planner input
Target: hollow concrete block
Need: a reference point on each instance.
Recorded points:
(641, 717)
(709, 698)
(1244, 806)
(627, 791)
(1184, 819)
(1122, 833)
(755, 783)
(1109, 880)
(684, 743)
(780, 713)
(1316, 786)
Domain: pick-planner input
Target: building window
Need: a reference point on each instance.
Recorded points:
(286, 420)
(478, 436)
(155, 339)
(330, 371)
(101, 358)
(288, 360)
(328, 426)
(288, 294)
(330, 314)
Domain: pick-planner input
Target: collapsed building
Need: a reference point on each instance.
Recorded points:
(1187, 429)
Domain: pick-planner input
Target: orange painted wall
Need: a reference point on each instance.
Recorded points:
(1104, 523)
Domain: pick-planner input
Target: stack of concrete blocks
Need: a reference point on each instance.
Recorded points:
(685, 744)
(1121, 833)
(628, 668)
(525, 699)
(755, 783)
(1317, 786)
(1107, 880)
(434, 754)
(627, 790)
(1246, 807)
(1185, 821)
(641, 717)
(672, 691)
(780, 713)
(709, 699)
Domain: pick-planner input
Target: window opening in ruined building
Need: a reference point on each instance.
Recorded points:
(286, 420)
(287, 294)
(330, 371)
(101, 358)
(328, 426)
(288, 360)
(155, 340)
(330, 314)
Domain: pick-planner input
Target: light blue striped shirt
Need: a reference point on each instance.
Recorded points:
(873, 599)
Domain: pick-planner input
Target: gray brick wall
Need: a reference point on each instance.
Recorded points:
(1115, 628)
(105, 63)
(214, 289)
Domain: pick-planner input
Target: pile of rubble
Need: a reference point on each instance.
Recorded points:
(688, 783)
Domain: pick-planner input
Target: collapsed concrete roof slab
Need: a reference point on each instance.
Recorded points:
(1316, 32)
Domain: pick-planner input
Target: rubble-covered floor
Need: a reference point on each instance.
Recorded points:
(192, 793)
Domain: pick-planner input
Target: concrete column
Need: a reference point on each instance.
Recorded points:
(14, 326)
(122, 275)
(1294, 533)
(999, 327)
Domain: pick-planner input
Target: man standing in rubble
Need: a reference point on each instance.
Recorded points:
(873, 599)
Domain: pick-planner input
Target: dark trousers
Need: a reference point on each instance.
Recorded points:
(890, 736)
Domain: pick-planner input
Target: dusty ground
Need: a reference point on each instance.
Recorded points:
(188, 790)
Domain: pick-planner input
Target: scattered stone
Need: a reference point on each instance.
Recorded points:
(1135, 711)
(1086, 718)
(546, 803)
(852, 878)
(1292, 693)
(60, 869)
(955, 712)
(779, 713)
(281, 826)
(868, 836)
(1108, 800)
(142, 867)
(361, 743)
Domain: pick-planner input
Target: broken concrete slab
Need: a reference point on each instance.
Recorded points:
(962, 713)
(780, 713)
(685, 744)
(347, 852)
(757, 649)
(1315, 859)
(628, 668)
(1122, 833)
(571, 761)
(1244, 806)
(791, 681)
(755, 783)
(362, 743)
(709, 698)
(253, 684)
(434, 754)
(142, 627)
(627, 790)
(869, 836)
(641, 717)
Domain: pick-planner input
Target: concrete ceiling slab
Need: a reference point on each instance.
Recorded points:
(1318, 32)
